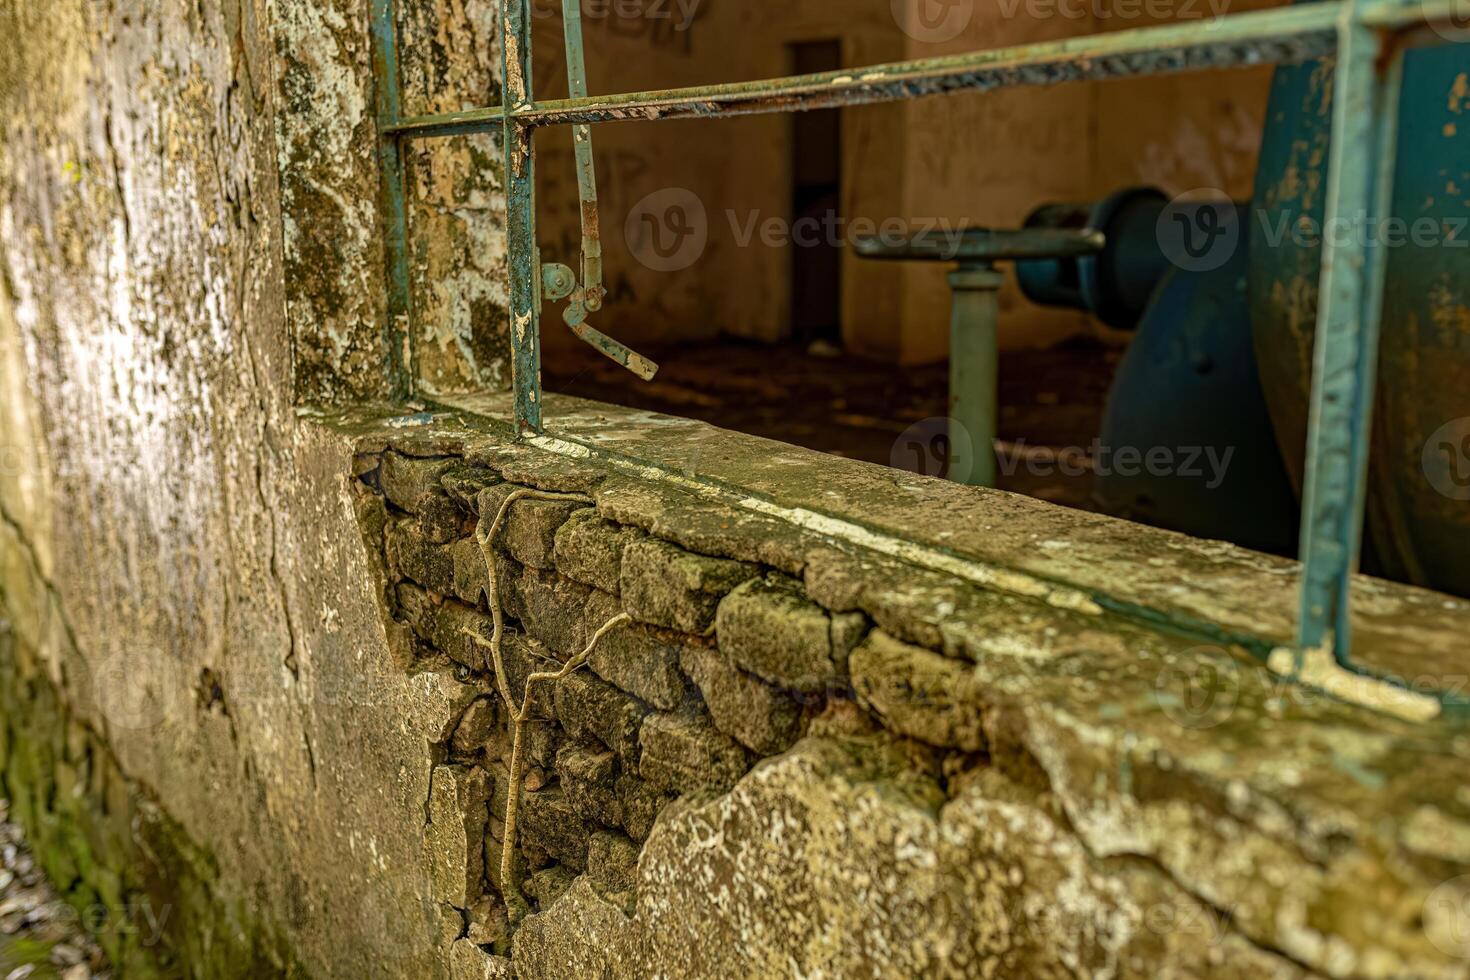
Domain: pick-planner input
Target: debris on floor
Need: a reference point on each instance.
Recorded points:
(1051, 401)
(41, 937)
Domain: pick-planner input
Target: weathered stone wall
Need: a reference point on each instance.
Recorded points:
(798, 759)
(181, 567)
(863, 724)
(136, 880)
(335, 272)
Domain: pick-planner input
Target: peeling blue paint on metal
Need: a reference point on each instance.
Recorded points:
(1359, 188)
(393, 194)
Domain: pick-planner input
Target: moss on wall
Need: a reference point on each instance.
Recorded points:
(138, 882)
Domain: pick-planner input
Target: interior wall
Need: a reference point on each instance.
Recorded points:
(991, 160)
(732, 176)
(962, 160)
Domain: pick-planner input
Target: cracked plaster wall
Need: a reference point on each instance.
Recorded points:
(457, 335)
(188, 250)
(185, 571)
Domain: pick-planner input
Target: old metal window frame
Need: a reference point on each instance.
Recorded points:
(1367, 37)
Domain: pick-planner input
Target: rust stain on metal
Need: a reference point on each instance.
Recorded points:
(515, 79)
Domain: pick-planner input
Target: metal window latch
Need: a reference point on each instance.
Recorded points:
(558, 281)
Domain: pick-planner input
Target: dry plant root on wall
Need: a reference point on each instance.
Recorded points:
(515, 903)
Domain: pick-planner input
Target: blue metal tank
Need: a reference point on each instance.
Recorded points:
(1419, 496)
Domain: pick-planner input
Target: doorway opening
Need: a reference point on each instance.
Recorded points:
(816, 202)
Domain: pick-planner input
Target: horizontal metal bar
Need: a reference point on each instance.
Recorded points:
(983, 245)
(1281, 35)
(465, 123)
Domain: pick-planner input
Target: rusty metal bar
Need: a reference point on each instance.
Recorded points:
(1365, 108)
(586, 164)
(1282, 35)
(393, 199)
(520, 196)
(615, 351)
(1287, 34)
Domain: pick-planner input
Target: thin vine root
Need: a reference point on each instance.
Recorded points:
(515, 902)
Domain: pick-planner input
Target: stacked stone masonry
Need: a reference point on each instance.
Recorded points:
(679, 703)
(844, 753)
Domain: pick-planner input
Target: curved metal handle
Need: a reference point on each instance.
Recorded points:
(559, 282)
(615, 351)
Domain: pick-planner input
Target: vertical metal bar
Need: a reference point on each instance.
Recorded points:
(393, 195)
(520, 178)
(974, 374)
(1359, 197)
(586, 165)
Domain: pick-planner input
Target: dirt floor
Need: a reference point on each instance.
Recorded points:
(1050, 400)
(41, 937)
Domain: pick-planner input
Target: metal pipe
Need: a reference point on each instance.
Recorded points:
(974, 373)
(974, 357)
(1285, 34)
(985, 245)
